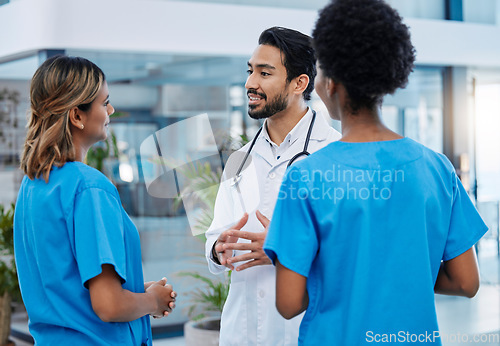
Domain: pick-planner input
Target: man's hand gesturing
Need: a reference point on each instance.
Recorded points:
(256, 256)
(225, 238)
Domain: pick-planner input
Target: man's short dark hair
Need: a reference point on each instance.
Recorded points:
(364, 45)
(298, 53)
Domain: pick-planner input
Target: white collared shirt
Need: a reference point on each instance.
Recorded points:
(290, 138)
(250, 316)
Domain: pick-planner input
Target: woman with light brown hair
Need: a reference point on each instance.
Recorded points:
(77, 252)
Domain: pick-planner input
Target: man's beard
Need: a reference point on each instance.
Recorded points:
(276, 105)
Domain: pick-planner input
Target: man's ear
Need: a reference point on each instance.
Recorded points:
(75, 117)
(301, 83)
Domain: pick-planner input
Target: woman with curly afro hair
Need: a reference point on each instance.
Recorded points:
(367, 229)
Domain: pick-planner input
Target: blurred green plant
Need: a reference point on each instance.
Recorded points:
(104, 149)
(100, 151)
(8, 272)
(209, 298)
(203, 185)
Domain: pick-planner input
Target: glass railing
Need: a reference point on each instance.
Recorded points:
(490, 212)
(488, 248)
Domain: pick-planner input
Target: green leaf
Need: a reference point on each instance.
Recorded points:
(8, 272)
(209, 297)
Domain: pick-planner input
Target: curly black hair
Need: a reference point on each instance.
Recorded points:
(297, 51)
(363, 45)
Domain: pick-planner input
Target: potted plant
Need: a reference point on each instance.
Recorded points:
(205, 308)
(9, 285)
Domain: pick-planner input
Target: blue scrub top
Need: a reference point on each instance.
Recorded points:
(64, 231)
(368, 225)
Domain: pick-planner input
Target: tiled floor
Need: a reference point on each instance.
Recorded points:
(463, 319)
(177, 341)
(468, 321)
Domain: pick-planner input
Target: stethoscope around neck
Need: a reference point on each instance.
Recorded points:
(304, 151)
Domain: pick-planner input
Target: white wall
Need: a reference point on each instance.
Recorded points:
(205, 29)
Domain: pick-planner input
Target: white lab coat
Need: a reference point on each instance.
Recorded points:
(250, 316)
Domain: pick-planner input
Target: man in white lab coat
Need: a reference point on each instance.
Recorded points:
(280, 80)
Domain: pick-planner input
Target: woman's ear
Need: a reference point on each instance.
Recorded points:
(75, 118)
(301, 83)
(331, 87)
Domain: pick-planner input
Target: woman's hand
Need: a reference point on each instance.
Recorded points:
(164, 295)
(112, 303)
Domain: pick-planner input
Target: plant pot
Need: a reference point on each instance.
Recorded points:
(5, 318)
(203, 332)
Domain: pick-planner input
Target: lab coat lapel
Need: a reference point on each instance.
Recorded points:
(320, 130)
(319, 133)
(294, 149)
(245, 193)
(263, 149)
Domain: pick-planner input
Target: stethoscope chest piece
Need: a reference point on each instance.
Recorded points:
(236, 179)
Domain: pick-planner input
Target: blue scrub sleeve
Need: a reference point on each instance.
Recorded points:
(99, 237)
(466, 225)
(292, 237)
